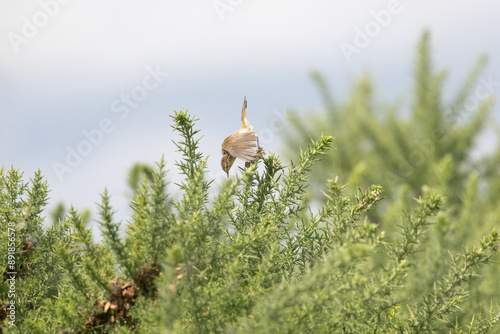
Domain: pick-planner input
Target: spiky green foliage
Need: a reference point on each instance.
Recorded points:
(250, 257)
(30, 273)
(410, 147)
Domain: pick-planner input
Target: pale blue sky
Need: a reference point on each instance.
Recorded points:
(73, 72)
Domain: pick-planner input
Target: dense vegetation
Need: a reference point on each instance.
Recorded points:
(276, 250)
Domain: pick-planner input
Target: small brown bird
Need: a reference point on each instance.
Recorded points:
(242, 144)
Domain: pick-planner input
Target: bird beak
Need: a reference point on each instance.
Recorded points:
(227, 173)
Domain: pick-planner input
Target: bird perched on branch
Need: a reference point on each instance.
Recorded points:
(243, 144)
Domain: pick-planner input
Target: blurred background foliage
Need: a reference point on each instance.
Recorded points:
(428, 143)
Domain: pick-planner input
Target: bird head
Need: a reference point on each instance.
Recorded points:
(226, 161)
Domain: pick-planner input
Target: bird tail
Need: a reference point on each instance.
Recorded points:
(245, 123)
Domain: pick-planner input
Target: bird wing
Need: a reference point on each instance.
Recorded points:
(242, 145)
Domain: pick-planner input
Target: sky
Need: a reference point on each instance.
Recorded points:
(87, 87)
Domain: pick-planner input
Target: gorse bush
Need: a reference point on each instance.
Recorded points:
(424, 140)
(252, 258)
(420, 139)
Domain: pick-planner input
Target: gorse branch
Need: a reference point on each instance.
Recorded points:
(191, 165)
(110, 232)
(451, 290)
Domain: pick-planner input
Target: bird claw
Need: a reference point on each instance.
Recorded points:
(260, 152)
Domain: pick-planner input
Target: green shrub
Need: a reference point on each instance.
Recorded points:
(424, 141)
(251, 258)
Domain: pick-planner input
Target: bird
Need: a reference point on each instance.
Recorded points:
(243, 144)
